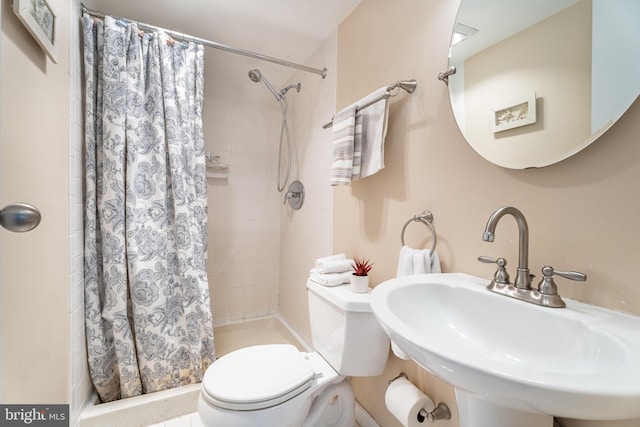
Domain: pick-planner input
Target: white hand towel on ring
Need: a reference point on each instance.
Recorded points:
(421, 261)
(417, 261)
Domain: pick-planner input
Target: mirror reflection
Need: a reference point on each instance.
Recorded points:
(536, 82)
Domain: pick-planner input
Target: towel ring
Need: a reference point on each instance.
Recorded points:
(426, 218)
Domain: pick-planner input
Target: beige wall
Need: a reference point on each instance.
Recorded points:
(34, 267)
(307, 234)
(582, 212)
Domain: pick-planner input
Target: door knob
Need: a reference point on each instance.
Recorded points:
(20, 217)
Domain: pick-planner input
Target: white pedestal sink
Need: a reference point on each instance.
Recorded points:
(508, 358)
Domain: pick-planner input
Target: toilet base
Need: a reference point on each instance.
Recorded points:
(335, 407)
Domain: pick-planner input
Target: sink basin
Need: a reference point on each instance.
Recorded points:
(580, 361)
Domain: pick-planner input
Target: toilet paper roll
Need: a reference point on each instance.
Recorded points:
(404, 401)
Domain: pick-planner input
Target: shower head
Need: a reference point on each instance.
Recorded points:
(255, 75)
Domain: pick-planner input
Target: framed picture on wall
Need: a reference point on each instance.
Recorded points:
(40, 19)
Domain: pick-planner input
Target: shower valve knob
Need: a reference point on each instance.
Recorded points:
(291, 195)
(295, 195)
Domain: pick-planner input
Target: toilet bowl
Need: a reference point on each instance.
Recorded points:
(275, 385)
(278, 385)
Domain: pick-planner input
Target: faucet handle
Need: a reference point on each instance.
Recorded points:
(501, 276)
(548, 287)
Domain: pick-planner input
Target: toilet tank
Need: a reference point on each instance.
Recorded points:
(345, 332)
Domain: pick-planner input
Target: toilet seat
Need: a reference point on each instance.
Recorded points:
(257, 377)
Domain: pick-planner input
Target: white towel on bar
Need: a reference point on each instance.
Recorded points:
(343, 134)
(330, 279)
(374, 131)
(417, 261)
(358, 139)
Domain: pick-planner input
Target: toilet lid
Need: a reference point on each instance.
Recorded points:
(257, 377)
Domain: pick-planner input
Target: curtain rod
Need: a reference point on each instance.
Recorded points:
(215, 45)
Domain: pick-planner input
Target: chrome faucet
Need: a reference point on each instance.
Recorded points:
(547, 293)
(523, 278)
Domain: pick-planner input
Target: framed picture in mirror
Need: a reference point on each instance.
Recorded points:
(518, 113)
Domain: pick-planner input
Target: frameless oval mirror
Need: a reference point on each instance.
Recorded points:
(537, 81)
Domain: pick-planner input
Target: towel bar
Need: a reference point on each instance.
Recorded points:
(408, 85)
(426, 218)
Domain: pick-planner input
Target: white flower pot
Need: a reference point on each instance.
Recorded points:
(359, 284)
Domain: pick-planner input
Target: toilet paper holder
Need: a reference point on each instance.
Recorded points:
(440, 412)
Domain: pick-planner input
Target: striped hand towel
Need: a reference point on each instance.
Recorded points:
(343, 132)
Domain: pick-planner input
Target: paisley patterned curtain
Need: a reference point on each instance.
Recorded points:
(148, 321)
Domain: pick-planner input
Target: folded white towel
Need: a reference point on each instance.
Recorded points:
(330, 279)
(334, 266)
(319, 261)
(343, 133)
(374, 131)
(417, 261)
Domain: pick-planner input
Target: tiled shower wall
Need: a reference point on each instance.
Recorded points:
(242, 126)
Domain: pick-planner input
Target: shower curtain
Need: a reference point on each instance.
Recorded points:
(147, 315)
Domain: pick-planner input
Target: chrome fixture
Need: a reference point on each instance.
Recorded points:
(295, 195)
(426, 218)
(501, 276)
(192, 39)
(440, 413)
(523, 279)
(547, 287)
(547, 293)
(407, 85)
(20, 217)
(444, 75)
(284, 90)
(256, 76)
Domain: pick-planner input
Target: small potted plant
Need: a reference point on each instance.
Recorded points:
(360, 276)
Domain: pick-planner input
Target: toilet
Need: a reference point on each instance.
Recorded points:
(278, 385)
